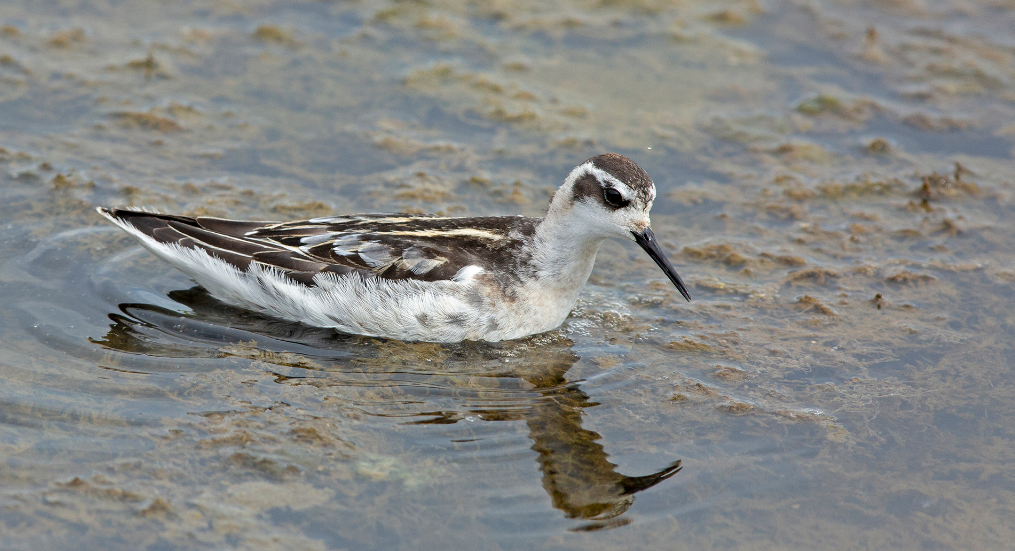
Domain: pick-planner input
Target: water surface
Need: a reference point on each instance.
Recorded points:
(835, 185)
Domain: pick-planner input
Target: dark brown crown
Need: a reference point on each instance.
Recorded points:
(621, 168)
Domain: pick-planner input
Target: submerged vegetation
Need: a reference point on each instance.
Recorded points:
(836, 184)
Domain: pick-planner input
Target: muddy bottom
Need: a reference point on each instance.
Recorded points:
(835, 185)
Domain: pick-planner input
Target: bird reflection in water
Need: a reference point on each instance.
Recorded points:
(576, 471)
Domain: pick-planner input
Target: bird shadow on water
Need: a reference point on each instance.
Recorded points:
(524, 380)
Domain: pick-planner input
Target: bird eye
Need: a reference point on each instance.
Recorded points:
(614, 198)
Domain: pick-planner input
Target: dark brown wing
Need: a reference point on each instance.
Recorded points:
(409, 246)
(402, 246)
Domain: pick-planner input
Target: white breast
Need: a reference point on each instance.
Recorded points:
(463, 308)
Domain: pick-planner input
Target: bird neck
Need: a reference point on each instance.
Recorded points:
(564, 255)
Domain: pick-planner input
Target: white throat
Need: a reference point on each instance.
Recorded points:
(565, 250)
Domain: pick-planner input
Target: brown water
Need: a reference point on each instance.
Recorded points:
(836, 186)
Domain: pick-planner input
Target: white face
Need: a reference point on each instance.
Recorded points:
(610, 196)
(606, 205)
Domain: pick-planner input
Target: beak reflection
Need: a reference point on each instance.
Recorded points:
(647, 240)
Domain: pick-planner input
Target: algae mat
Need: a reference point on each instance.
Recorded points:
(835, 183)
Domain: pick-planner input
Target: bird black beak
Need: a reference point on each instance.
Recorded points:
(647, 240)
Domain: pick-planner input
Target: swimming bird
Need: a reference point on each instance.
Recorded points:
(416, 277)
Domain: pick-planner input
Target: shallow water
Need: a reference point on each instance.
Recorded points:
(835, 185)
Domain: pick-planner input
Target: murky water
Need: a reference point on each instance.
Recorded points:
(836, 186)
